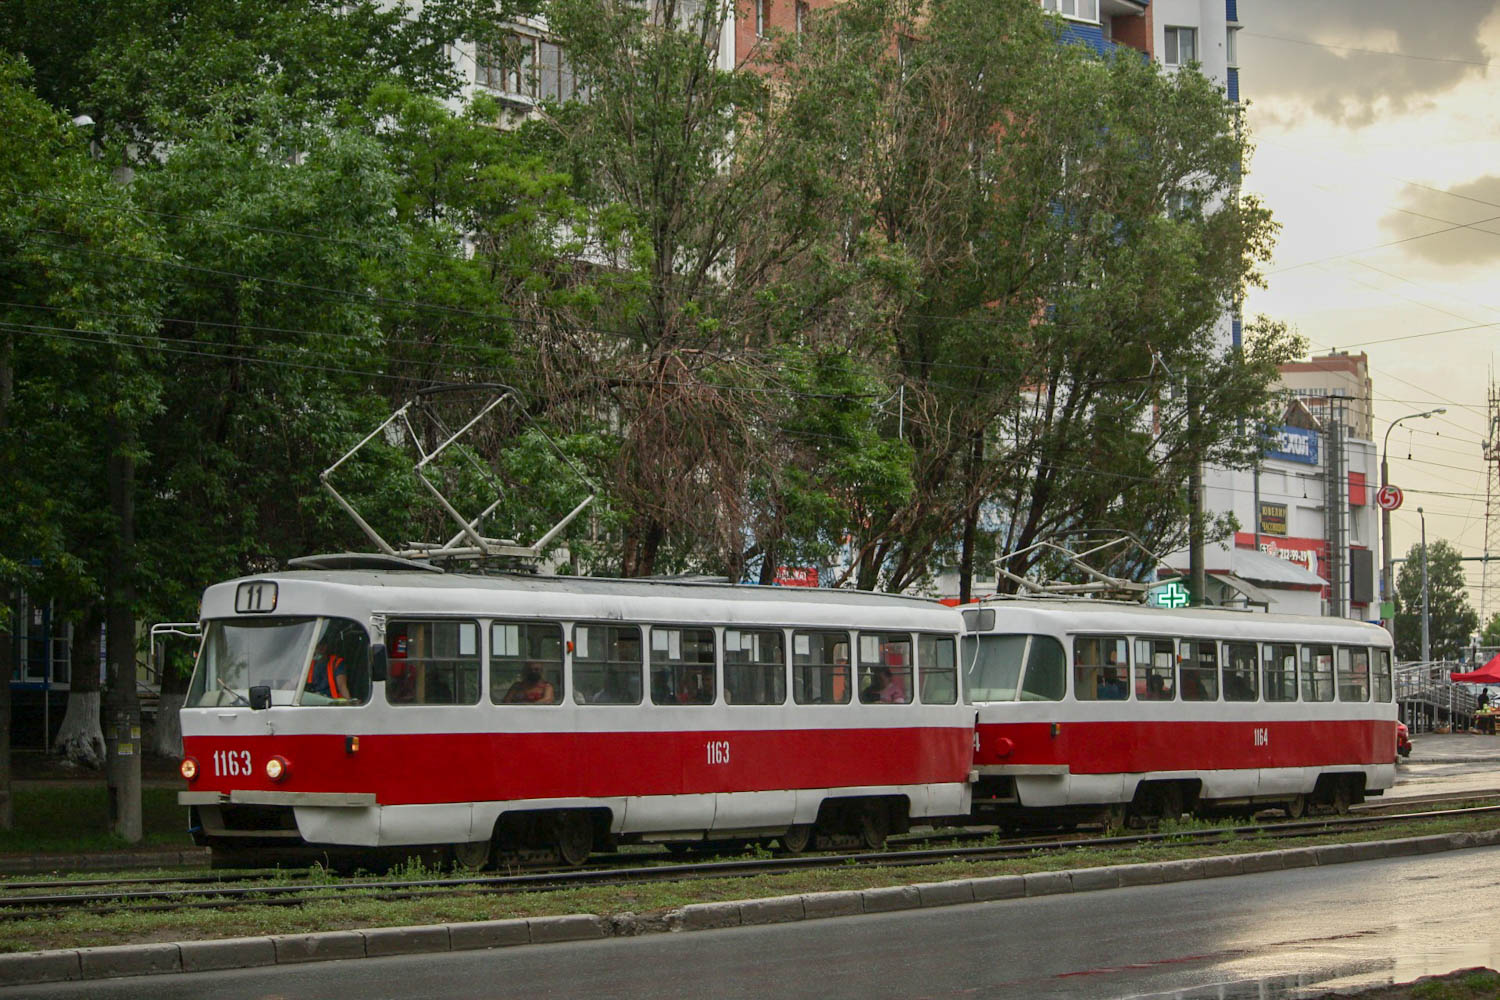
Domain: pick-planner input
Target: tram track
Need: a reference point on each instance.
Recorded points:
(21, 901)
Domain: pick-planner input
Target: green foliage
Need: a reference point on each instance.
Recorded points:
(1490, 637)
(81, 273)
(912, 301)
(1451, 619)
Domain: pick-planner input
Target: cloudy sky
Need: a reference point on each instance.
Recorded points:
(1377, 133)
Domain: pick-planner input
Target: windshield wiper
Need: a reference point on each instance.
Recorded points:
(239, 699)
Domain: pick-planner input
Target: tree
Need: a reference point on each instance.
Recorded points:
(1067, 232)
(78, 266)
(1451, 620)
(1490, 637)
(708, 206)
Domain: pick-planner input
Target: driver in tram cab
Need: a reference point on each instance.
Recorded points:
(328, 675)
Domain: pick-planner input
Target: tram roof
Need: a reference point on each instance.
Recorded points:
(1098, 615)
(582, 597)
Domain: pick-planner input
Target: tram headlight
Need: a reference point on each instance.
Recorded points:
(188, 768)
(277, 768)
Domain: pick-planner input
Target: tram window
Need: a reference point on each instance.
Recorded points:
(239, 654)
(433, 663)
(1101, 664)
(526, 663)
(994, 667)
(1155, 669)
(979, 619)
(1382, 675)
(1239, 671)
(1279, 671)
(1353, 673)
(1200, 670)
(682, 666)
(1046, 677)
(820, 668)
(885, 663)
(1317, 673)
(607, 664)
(937, 669)
(754, 667)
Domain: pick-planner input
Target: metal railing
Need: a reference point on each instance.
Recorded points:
(1428, 698)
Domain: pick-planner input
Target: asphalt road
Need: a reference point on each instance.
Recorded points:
(1280, 934)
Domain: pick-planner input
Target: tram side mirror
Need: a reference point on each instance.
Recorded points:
(377, 662)
(260, 697)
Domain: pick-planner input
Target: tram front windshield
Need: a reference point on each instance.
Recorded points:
(277, 653)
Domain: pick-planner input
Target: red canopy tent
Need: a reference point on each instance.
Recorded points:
(1487, 674)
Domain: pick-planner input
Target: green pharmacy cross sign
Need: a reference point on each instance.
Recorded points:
(1169, 595)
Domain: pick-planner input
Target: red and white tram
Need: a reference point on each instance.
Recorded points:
(377, 705)
(1097, 710)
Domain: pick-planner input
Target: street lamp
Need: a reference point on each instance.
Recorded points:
(1387, 585)
(1425, 654)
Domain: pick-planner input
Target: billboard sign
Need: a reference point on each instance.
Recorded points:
(1293, 444)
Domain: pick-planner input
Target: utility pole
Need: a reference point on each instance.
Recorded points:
(1197, 574)
(122, 723)
(1489, 579)
(1426, 646)
(1387, 581)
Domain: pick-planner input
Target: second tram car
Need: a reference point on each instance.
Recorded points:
(378, 705)
(1091, 710)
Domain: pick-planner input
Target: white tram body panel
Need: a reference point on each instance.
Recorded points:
(1086, 704)
(665, 710)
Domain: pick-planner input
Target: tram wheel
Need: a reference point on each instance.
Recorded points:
(1341, 798)
(574, 833)
(1295, 807)
(473, 856)
(874, 825)
(797, 838)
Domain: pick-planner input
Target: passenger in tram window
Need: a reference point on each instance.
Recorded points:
(695, 687)
(1110, 687)
(532, 688)
(883, 688)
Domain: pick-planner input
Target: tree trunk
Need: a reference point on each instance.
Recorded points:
(176, 672)
(122, 728)
(7, 669)
(971, 521)
(7, 597)
(80, 740)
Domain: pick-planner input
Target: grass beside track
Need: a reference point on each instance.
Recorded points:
(346, 908)
(73, 816)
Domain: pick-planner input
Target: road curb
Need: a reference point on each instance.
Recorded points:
(28, 968)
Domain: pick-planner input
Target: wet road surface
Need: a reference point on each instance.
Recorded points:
(1281, 934)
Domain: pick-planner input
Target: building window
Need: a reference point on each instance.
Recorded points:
(526, 66)
(762, 17)
(1181, 46)
(801, 10)
(1231, 46)
(1083, 10)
